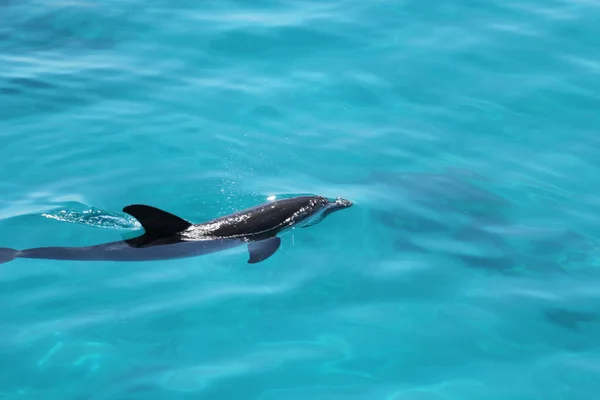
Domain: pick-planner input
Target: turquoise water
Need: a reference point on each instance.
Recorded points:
(466, 134)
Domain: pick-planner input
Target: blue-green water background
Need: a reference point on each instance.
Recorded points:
(467, 134)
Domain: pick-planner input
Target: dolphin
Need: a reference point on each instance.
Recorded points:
(167, 236)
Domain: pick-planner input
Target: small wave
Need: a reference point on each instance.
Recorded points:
(94, 217)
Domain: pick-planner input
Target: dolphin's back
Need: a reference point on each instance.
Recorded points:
(260, 220)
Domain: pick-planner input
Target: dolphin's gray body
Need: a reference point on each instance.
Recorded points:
(167, 236)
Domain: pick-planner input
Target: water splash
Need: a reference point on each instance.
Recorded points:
(94, 217)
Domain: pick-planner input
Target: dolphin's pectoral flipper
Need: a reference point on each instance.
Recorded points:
(261, 250)
(156, 223)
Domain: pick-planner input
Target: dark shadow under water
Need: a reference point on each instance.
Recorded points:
(471, 217)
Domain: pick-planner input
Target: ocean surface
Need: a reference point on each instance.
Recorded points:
(466, 133)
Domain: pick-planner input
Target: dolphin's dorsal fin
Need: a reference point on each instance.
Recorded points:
(156, 222)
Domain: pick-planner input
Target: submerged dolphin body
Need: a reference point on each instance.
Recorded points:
(168, 236)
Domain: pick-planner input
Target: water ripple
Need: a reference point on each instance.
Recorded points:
(465, 134)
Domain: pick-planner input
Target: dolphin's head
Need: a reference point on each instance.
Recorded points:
(337, 204)
(322, 207)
